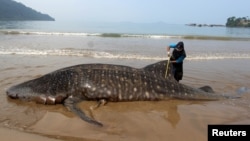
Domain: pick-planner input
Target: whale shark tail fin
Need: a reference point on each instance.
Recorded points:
(242, 90)
(211, 92)
(71, 104)
(238, 93)
(159, 68)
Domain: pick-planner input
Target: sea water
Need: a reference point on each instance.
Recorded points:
(121, 40)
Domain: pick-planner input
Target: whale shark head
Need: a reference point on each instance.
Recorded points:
(48, 89)
(20, 92)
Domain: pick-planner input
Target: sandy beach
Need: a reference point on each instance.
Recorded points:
(12, 135)
(173, 119)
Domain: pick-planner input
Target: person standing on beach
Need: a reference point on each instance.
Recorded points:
(176, 59)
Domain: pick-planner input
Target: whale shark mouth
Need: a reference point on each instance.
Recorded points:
(28, 94)
(18, 93)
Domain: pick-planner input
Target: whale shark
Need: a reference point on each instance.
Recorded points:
(107, 82)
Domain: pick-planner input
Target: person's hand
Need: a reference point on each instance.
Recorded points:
(168, 54)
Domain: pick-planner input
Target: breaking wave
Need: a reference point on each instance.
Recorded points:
(115, 55)
(120, 35)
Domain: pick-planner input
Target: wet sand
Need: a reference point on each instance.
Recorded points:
(13, 135)
(173, 119)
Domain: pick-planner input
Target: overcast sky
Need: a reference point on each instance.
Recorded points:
(143, 11)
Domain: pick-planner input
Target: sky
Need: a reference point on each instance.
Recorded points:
(142, 11)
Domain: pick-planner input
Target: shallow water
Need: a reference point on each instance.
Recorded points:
(172, 119)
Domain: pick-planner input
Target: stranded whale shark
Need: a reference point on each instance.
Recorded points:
(112, 83)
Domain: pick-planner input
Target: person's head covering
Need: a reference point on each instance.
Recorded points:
(180, 46)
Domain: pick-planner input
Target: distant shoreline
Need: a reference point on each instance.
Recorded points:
(15, 11)
(205, 25)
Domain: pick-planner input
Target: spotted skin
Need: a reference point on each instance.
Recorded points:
(114, 83)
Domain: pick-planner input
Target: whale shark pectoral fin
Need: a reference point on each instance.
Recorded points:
(71, 104)
(207, 89)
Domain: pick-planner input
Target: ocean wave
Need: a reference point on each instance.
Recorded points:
(112, 55)
(121, 35)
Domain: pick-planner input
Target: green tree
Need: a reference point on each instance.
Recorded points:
(238, 22)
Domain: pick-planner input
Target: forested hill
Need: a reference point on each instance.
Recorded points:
(12, 10)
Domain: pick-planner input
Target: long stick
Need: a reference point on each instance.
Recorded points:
(167, 67)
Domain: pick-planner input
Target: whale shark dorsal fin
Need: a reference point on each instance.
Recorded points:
(159, 68)
(207, 89)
